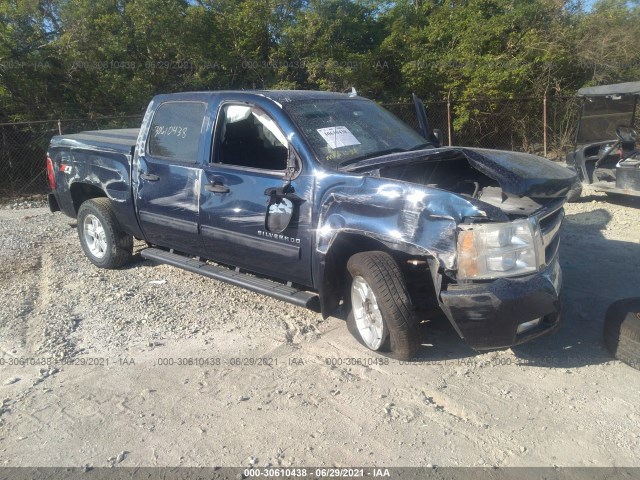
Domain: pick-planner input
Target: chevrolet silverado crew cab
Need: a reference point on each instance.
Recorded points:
(327, 201)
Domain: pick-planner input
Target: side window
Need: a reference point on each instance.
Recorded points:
(250, 138)
(175, 131)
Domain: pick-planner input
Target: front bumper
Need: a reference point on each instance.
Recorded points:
(487, 315)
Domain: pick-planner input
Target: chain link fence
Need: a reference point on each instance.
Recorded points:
(23, 150)
(532, 125)
(509, 124)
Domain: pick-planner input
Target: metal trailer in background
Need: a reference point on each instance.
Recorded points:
(606, 154)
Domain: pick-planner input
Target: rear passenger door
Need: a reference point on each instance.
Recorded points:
(243, 221)
(168, 176)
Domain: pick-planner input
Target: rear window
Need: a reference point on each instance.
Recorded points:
(175, 131)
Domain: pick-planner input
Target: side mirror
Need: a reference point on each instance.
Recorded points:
(279, 213)
(293, 165)
(282, 208)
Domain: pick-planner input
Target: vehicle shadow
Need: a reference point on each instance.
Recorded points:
(623, 200)
(612, 198)
(596, 272)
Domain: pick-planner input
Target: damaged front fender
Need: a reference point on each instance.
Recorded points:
(407, 218)
(413, 203)
(415, 219)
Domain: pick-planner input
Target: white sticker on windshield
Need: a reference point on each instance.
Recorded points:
(337, 137)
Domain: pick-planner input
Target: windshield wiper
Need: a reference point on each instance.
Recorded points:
(379, 153)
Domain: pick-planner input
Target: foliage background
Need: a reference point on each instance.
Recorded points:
(84, 58)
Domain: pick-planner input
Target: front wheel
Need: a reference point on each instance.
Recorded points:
(381, 317)
(103, 241)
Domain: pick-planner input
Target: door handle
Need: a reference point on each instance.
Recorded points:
(150, 177)
(216, 187)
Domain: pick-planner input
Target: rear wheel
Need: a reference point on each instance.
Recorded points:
(102, 240)
(381, 317)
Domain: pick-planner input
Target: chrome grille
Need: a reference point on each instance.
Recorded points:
(550, 221)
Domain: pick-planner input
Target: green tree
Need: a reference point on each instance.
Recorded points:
(333, 45)
(607, 44)
(79, 57)
(29, 67)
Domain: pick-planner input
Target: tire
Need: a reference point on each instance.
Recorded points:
(622, 331)
(102, 240)
(381, 316)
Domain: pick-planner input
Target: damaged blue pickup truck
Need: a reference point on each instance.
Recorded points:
(327, 201)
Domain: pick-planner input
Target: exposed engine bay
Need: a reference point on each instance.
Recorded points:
(462, 171)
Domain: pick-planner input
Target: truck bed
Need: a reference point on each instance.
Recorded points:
(117, 140)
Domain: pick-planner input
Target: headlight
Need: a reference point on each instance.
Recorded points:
(493, 250)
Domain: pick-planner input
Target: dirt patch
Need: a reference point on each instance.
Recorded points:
(174, 369)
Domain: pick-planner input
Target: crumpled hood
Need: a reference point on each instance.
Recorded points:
(517, 173)
(521, 173)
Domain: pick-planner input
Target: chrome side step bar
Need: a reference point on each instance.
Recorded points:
(264, 286)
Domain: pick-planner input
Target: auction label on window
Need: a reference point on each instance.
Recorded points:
(337, 137)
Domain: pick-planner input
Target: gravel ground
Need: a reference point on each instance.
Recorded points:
(152, 366)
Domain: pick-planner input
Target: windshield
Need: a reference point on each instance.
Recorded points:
(601, 116)
(344, 131)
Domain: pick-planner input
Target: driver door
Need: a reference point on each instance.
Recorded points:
(251, 215)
